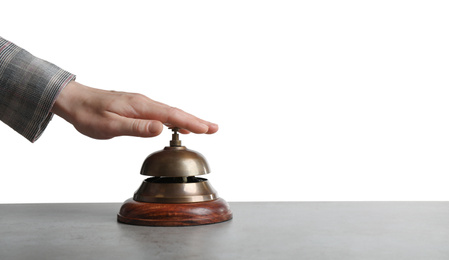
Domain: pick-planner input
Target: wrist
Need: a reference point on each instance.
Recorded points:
(64, 102)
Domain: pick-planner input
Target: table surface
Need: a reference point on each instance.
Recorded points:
(259, 230)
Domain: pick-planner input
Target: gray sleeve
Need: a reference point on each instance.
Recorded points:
(29, 87)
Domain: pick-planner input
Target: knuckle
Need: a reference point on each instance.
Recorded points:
(173, 112)
(137, 126)
(134, 98)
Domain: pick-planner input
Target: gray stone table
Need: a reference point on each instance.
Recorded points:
(259, 230)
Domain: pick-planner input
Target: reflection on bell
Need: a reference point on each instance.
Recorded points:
(173, 196)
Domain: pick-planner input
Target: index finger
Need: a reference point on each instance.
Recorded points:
(172, 116)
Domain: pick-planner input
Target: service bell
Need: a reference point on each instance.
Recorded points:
(173, 195)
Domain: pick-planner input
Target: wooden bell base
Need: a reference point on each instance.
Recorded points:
(171, 214)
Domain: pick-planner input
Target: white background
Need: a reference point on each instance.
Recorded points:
(316, 100)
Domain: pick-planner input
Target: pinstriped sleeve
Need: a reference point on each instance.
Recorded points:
(29, 87)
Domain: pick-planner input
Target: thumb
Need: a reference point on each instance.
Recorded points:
(141, 127)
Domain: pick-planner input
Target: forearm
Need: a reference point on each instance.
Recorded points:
(28, 88)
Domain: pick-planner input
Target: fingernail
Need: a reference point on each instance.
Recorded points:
(204, 127)
(213, 128)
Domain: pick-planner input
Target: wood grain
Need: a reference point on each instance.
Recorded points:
(180, 214)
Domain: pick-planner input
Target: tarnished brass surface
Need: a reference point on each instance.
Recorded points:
(175, 162)
(175, 137)
(175, 190)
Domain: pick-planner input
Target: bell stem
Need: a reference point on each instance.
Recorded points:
(175, 138)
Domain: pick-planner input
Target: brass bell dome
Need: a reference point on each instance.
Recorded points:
(175, 161)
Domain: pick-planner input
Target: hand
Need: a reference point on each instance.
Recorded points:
(102, 114)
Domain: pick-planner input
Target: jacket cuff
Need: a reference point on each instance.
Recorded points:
(29, 87)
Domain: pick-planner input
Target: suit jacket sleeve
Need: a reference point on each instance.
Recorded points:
(29, 87)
